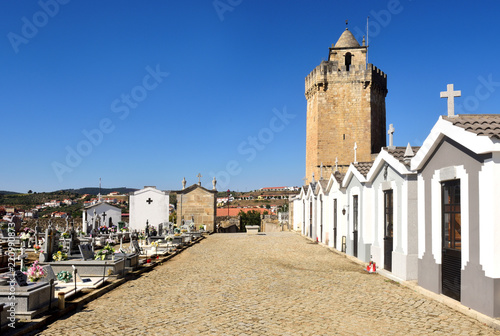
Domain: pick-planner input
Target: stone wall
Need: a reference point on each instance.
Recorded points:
(344, 107)
(199, 204)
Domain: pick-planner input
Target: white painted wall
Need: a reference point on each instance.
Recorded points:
(141, 211)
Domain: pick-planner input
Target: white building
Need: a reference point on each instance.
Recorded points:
(458, 214)
(100, 214)
(148, 205)
(394, 212)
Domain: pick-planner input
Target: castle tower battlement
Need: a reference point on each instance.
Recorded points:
(345, 105)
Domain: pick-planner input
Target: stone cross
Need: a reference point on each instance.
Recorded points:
(321, 171)
(199, 178)
(450, 94)
(305, 179)
(391, 136)
(336, 164)
(183, 183)
(214, 182)
(21, 257)
(355, 151)
(104, 218)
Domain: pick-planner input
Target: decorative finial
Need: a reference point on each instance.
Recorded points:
(214, 182)
(355, 152)
(184, 183)
(346, 24)
(391, 136)
(364, 42)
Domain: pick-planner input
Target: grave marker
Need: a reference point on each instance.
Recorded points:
(86, 251)
(21, 278)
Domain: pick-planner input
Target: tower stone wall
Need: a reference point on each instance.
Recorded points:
(345, 105)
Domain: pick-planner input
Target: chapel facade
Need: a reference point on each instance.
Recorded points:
(345, 109)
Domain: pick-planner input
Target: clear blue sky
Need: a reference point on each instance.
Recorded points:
(169, 89)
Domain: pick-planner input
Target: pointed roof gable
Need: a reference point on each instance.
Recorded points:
(193, 187)
(393, 157)
(477, 133)
(360, 170)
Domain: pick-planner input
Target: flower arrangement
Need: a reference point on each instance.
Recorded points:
(35, 272)
(29, 231)
(141, 236)
(60, 256)
(37, 248)
(113, 228)
(124, 229)
(103, 229)
(110, 241)
(65, 235)
(177, 234)
(155, 244)
(24, 236)
(169, 238)
(184, 230)
(104, 252)
(64, 276)
(201, 227)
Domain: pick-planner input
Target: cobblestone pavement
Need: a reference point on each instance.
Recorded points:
(277, 284)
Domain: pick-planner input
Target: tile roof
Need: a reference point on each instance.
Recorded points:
(324, 184)
(480, 124)
(399, 154)
(338, 176)
(363, 167)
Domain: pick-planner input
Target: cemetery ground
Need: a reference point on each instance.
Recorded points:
(273, 284)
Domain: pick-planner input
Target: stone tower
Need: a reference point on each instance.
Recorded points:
(345, 105)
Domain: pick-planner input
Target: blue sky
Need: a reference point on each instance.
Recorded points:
(146, 93)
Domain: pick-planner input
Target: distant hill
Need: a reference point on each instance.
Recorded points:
(95, 190)
(3, 192)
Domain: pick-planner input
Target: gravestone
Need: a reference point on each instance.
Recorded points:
(38, 232)
(50, 274)
(48, 246)
(134, 244)
(21, 278)
(22, 256)
(86, 251)
(160, 229)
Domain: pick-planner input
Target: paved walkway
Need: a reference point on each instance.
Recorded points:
(277, 284)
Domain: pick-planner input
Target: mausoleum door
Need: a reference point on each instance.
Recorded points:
(335, 223)
(452, 239)
(388, 229)
(355, 225)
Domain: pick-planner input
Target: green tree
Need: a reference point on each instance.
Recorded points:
(251, 217)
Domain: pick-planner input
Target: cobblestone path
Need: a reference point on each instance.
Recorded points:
(274, 284)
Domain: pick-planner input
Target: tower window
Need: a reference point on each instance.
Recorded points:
(348, 58)
(343, 137)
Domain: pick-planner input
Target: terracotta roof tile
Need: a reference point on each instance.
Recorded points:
(363, 167)
(480, 124)
(324, 184)
(399, 154)
(338, 176)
